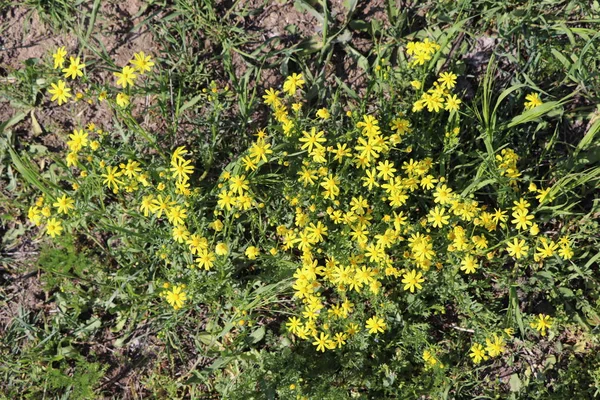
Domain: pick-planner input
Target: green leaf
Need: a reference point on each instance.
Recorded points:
(514, 310)
(515, 383)
(37, 129)
(15, 119)
(31, 176)
(588, 137)
(258, 335)
(563, 60)
(303, 6)
(190, 103)
(534, 113)
(360, 60)
(473, 187)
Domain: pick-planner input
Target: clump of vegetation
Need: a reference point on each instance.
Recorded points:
(397, 241)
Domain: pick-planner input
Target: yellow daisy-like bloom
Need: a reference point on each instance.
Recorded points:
(532, 100)
(178, 154)
(131, 169)
(64, 204)
(323, 113)
(522, 219)
(46, 212)
(221, 249)
(565, 251)
(60, 93)
(340, 339)
(35, 216)
(415, 84)
(252, 252)
(259, 151)
(206, 259)
(162, 205)
(59, 57)
(437, 218)
(176, 215)
(79, 140)
(74, 69)
(495, 346)
(54, 227)
(443, 195)
(197, 243)
(217, 225)
(541, 323)
(142, 62)
(517, 248)
(71, 159)
(111, 178)
(180, 234)
(182, 169)
(478, 353)
(293, 324)
(176, 297)
(452, 103)
(547, 248)
(147, 205)
(447, 80)
(323, 342)
(239, 184)
(122, 100)
(469, 264)
(126, 77)
(271, 97)
(375, 325)
(293, 82)
(412, 279)
(312, 139)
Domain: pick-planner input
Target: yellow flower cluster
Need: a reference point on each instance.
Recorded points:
(281, 107)
(176, 212)
(80, 140)
(258, 153)
(142, 63)
(507, 165)
(439, 97)
(235, 194)
(127, 176)
(60, 92)
(41, 212)
(421, 52)
(495, 346)
(332, 213)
